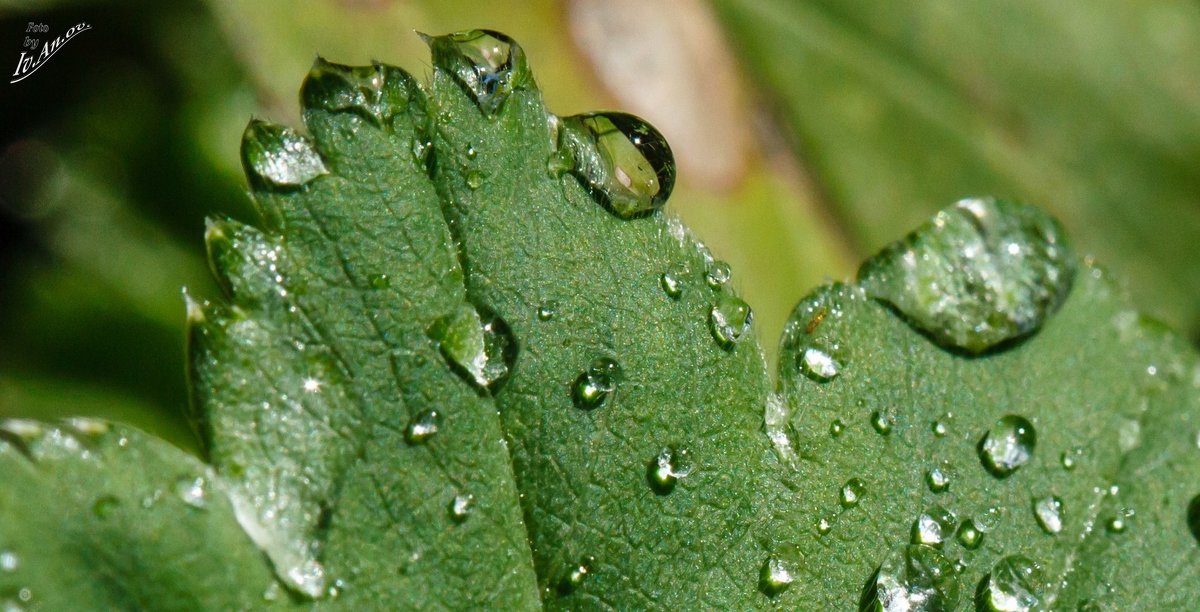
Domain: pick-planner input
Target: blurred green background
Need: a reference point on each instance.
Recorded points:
(808, 134)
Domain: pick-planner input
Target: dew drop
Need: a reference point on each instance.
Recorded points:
(273, 592)
(933, 526)
(423, 427)
(193, 491)
(624, 163)
(938, 479)
(461, 507)
(105, 505)
(547, 310)
(1193, 518)
(8, 561)
(1007, 446)
(474, 179)
(913, 578)
(777, 574)
(1119, 522)
(471, 152)
(671, 285)
(882, 422)
(1048, 511)
(665, 470)
(379, 281)
(981, 272)
(824, 525)
(487, 64)
(576, 575)
(1069, 459)
(970, 535)
(596, 384)
(730, 319)
(477, 344)
(279, 156)
(818, 365)
(852, 493)
(376, 93)
(718, 274)
(938, 428)
(1012, 586)
(836, 428)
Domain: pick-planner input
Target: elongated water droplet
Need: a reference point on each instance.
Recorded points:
(730, 319)
(983, 271)
(489, 65)
(818, 365)
(377, 92)
(718, 274)
(913, 578)
(882, 422)
(423, 427)
(461, 507)
(777, 574)
(671, 285)
(852, 493)
(938, 479)
(624, 162)
(576, 575)
(969, 535)
(477, 344)
(596, 384)
(278, 156)
(193, 491)
(1048, 511)
(1007, 445)
(933, 526)
(1014, 585)
(667, 468)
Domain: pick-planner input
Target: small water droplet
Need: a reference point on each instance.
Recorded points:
(1014, 585)
(852, 493)
(671, 285)
(421, 149)
(730, 319)
(1119, 522)
(273, 592)
(718, 274)
(981, 272)
(969, 535)
(836, 428)
(472, 152)
(1008, 445)
(912, 578)
(1048, 511)
(423, 427)
(1193, 517)
(461, 507)
(596, 384)
(882, 422)
(938, 479)
(474, 179)
(667, 468)
(8, 561)
(279, 156)
(777, 574)
(624, 163)
(938, 428)
(488, 64)
(819, 365)
(1069, 458)
(576, 575)
(933, 526)
(824, 525)
(547, 310)
(379, 281)
(105, 505)
(193, 491)
(478, 344)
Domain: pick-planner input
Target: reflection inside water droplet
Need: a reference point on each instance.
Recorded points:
(852, 493)
(487, 64)
(933, 526)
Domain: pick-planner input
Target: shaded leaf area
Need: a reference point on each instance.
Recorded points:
(899, 109)
(897, 441)
(361, 463)
(111, 518)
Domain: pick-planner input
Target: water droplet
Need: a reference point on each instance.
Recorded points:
(938, 428)
(1193, 518)
(379, 281)
(981, 272)
(933, 526)
(912, 578)
(852, 493)
(423, 427)
(307, 577)
(193, 491)
(824, 525)
(818, 365)
(461, 507)
(478, 344)
(1048, 511)
(593, 387)
(882, 422)
(718, 274)
(938, 479)
(730, 319)
(474, 179)
(969, 535)
(778, 573)
(472, 152)
(576, 575)
(1007, 445)
(279, 156)
(671, 285)
(488, 64)
(1012, 586)
(625, 164)
(273, 592)
(1119, 522)
(547, 310)
(8, 561)
(667, 468)
(836, 428)
(420, 150)
(105, 505)
(1069, 459)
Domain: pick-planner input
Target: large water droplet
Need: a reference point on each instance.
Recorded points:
(983, 271)
(818, 365)
(596, 384)
(624, 162)
(852, 493)
(730, 319)
(1014, 585)
(1048, 511)
(489, 65)
(667, 468)
(478, 344)
(377, 92)
(933, 526)
(912, 578)
(278, 156)
(423, 427)
(1007, 445)
(193, 491)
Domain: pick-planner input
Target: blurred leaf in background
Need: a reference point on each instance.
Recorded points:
(112, 154)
